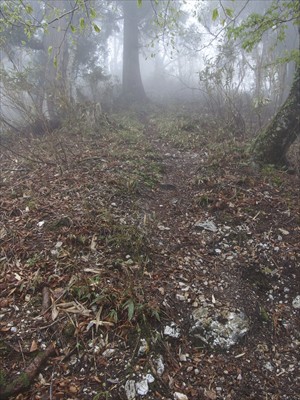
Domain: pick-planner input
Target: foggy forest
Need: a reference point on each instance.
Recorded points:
(149, 199)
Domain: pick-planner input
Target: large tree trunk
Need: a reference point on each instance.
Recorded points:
(271, 146)
(132, 88)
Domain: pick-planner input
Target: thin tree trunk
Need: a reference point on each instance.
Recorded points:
(56, 75)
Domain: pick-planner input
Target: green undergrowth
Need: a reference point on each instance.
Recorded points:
(187, 131)
(118, 301)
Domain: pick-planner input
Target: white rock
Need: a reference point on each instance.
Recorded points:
(130, 390)
(160, 368)
(183, 357)
(206, 225)
(96, 349)
(210, 328)
(296, 302)
(163, 228)
(142, 387)
(108, 353)
(172, 331)
(144, 348)
(180, 297)
(150, 378)
(269, 366)
(180, 396)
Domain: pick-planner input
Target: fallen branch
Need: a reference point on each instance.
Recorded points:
(24, 380)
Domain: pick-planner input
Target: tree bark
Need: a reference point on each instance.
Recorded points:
(56, 76)
(272, 145)
(132, 87)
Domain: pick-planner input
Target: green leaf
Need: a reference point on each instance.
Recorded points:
(96, 28)
(114, 315)
(130, 308)
(28, 9)
(229, 12)
(215, 14)
(50, 48)
(55, 62)
(82, 23)
(73, 28)
(93, 13)
(139, 3)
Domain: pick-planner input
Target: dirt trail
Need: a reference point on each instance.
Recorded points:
(221, 270)
(173, 200)
(185, 251)
(216, 304)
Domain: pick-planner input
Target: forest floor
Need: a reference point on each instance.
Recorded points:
(150, 260)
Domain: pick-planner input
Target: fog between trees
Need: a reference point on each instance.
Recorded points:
(89, 57)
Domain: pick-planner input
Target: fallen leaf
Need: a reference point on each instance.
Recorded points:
(210, 394)
(33, 346)
(55, 312)
(94, 243)
(283, 231)
(73, 389)
(4, 303)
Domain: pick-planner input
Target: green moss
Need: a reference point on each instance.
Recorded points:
(264, 316)
(271, 146)
(2, 378)
(68, 330)
(24, 379)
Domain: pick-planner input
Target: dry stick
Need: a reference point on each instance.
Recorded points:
(46, 304)
(23, 381)
(21, 350)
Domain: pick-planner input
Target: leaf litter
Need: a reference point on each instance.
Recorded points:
(102, 272)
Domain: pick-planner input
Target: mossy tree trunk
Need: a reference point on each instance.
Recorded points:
(272, 144)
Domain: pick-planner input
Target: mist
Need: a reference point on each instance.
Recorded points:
(165, 52)
(149, 199)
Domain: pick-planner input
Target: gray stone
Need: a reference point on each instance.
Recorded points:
(219, 328)
(172, 330)
(296, 302)
(206, 225)
(130, 389)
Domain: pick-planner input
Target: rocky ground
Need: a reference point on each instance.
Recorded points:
(151, 260)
